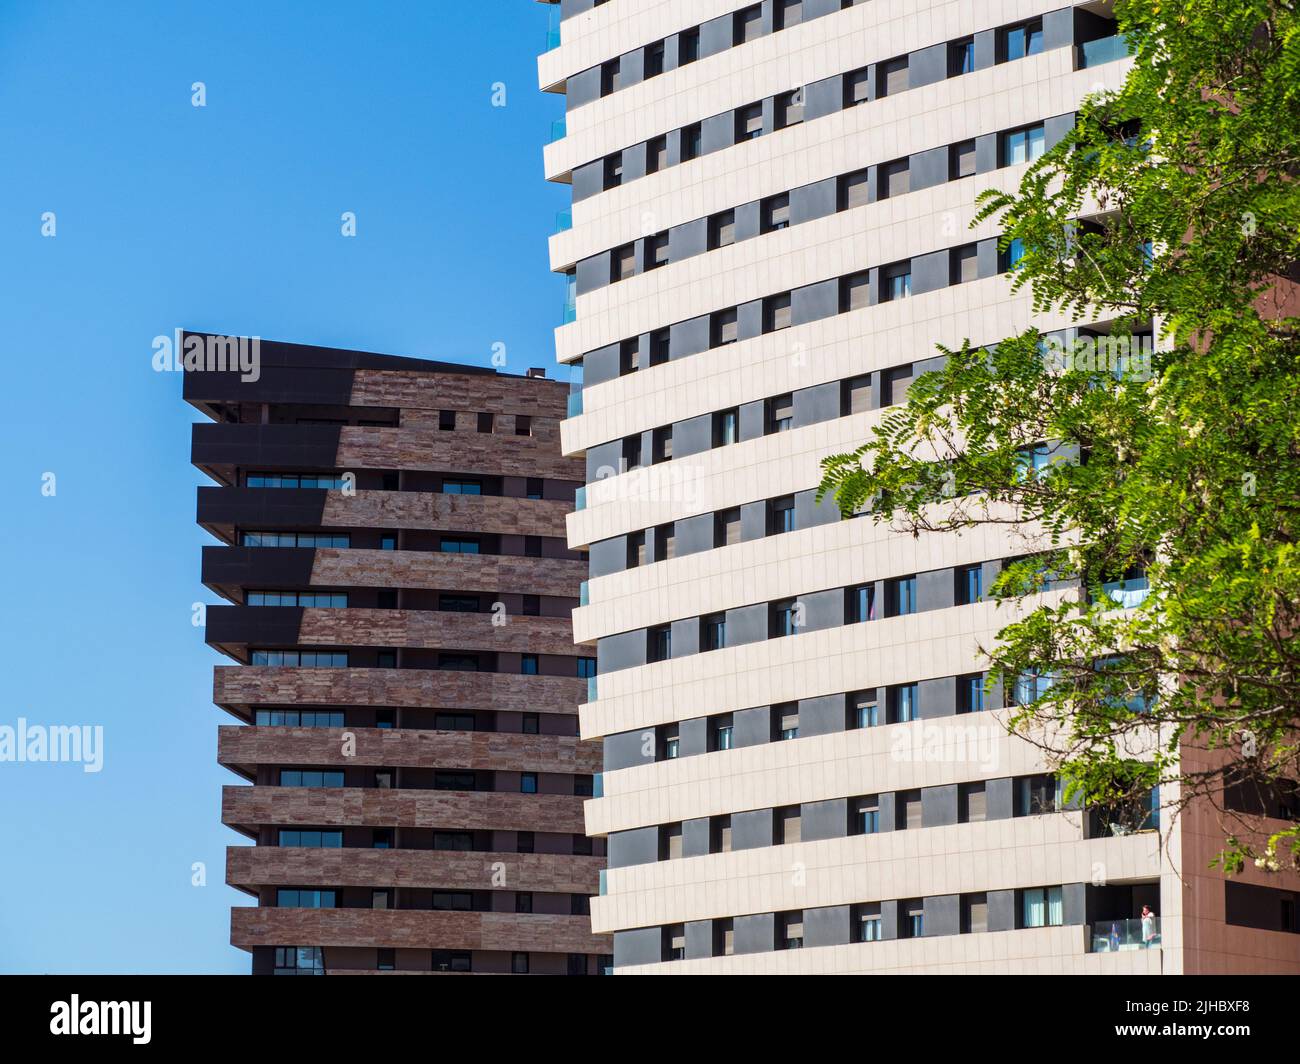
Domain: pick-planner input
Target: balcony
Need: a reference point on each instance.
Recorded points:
(563, 221)
(557, 130)
(575, 404)
(1117, 936)
(1102, 50)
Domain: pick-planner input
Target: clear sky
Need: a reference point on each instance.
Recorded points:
(223, 218)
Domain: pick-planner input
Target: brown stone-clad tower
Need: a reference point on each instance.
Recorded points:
(392, 546)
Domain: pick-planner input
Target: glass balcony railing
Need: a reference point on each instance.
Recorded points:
(580, 498)
(598, 787)
(1127, 593)
(603, 883)
(557, 130)
(563, 221)
(591, 688)
(570, 311)
(1102, 50)
(1115, 936)
(575, 403)
(584, 593)
(552, 39)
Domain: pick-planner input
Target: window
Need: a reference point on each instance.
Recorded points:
(866, 923)
(451, 780)
(713, 631)
(893, 388)
(1036, 795)
(901, 592)
(448, 960)
(720, 834)
(314, 540)
(852, 191)
(453, 722)
(961, 57)
(305, 899)
(789, 109)
(722, 230)
(323, 839)
(912, 919)
(656, 251)
(670, 842)
(970, 584)
(326, 481)
(857, 87)
(1042, 907)
(780, 515)
(786, 719)
(896, 281)
(787, 13)
(462, 487)
(306, 659)
(632, 452)
(311, 777)
(720, 733)
(610, 77)
(528, 783)
(458, 662)
(532, 485)
(894, 178)
(749, 122)
(586, 668)
(961, 160)
(462, 841)
(524, 841)
(1009, 258)
(383, 899)
(855, 291)
(903, 703)
(863, 709)
(388, 543)
(381, 839)
(781, 619)
(726, 527)
(622, 263)
(674, 942)
(724, 938)
(1021, 40)
(636, 555)
(656, 154)
(726, 427)
(865, 814)
(688, 46)
(860, 604)
(652, 63)
(659, 643)
(775, 213)
(295, 718)
(299, 960)
(613, 170)
(776, 312)
(970, 693)
(584, 786)
(519, 963)
(629, 357)
(661, 445)
(305, 599)
(790, 931)
(458, 545)
(723, 328)
(963, 264)
(458, 603)
(1023, 145)
(446, 420)
(855, 395)
(660, 346)
(972, 803)
(974, 914)
(778, 414)
(747, 25)
(485, 422)
(530, 724)
(692, 139)
(532, 606)
(665, 542)
(891, 76)
(528, 664)
(669, 742)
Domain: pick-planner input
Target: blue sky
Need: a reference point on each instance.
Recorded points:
(223, 218)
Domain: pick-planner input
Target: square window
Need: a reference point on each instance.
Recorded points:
(789, 109)
(691, 142)
(788, 13)
(857, 87)
(726, 527)
(891, 76)
(855, 395)
(656, 154)
(894, 178)
(963, 264)
(613, 170)
(853, 190)
(855, 291)
(688, 46)
(610, 77)
(775, 213)
(747, 25)
(749, 122)
(656, 251)
(622, 263)
(778, 414)
(896, 282)
(961, 160)
(660, 346)
(961, 57)
(776, 312)
(726, 427)
(723, 327)
(653, 60)
(722, 230)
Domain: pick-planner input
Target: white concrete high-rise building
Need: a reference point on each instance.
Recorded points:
(770, 232)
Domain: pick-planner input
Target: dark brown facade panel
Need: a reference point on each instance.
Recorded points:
(235, 685)
(256, 866)
(391, 928)
(248, 807)
(407, 748)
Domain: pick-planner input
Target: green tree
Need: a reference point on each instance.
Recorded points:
(1171, 209)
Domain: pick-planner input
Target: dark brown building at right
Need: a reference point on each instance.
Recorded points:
(392, 546)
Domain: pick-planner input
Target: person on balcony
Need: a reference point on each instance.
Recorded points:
(1149, 932)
